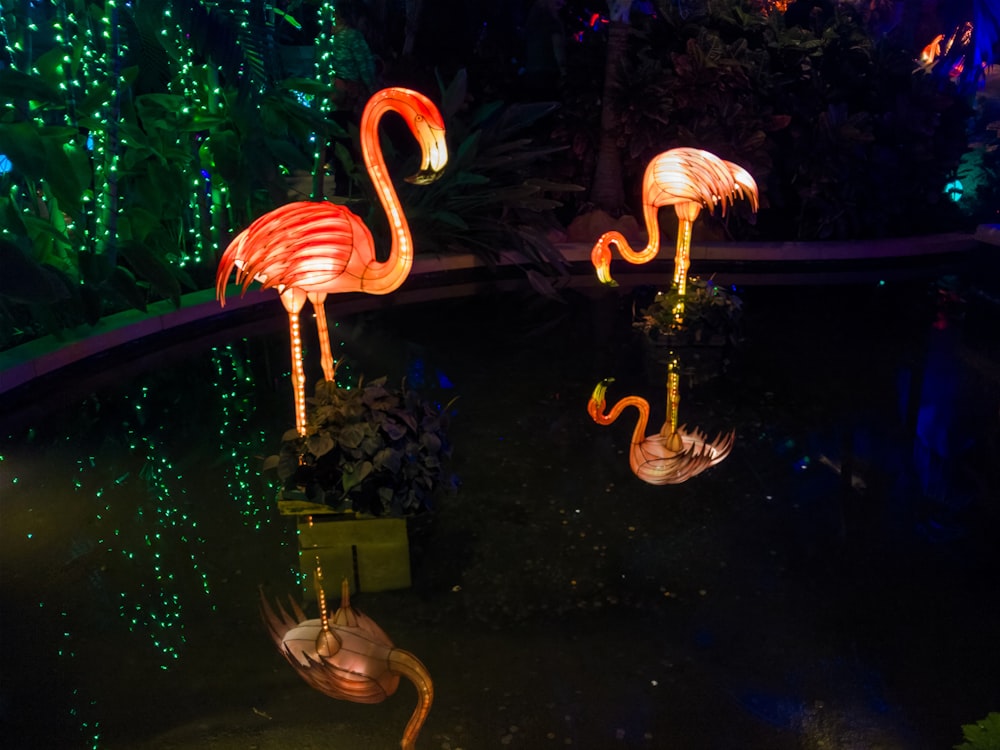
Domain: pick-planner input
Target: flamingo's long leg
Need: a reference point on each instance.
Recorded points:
(674, 440)
(682, 260)
(325, 348)
(298, 372)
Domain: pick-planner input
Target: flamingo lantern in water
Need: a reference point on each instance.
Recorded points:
(348, 656)
(674, 454)
(309, 249)
(687, 179)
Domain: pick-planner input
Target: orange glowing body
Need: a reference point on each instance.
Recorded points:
(349, 657)
(309, 249)
(674, 454)
(687, 179)
(932, 51)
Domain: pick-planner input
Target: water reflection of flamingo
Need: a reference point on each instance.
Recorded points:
(674, 454)
(687, 179)
(348, 656)
(308, 249)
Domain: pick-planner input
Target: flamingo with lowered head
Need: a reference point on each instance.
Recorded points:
(309, 249)
(347, 656)
(674, 454)
(687, 179)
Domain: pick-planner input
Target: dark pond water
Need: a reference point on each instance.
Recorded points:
(557, 600)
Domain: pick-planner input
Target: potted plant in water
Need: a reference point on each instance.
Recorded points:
(707, 327)
(711, 315)
(371, 455)
(370, 449)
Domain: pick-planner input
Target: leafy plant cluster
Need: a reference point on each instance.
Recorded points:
(983, 734)
(371, 449)
(711, 313)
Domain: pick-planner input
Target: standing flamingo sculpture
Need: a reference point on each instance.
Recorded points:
(308, 249)
(348, 656)
(674, 454)
(687, 179)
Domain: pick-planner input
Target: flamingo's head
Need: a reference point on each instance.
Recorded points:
(427, 125)
(434, 152)
(600, 256)
(595, 406)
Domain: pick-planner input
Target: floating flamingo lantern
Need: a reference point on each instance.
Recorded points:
(309, 249)
(674, 454)
(688, 179)
(347, 656)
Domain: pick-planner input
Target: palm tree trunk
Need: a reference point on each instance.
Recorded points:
(607, 190)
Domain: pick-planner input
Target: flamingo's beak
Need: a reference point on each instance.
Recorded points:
(424, 177)
(600, 257)
(434, 151)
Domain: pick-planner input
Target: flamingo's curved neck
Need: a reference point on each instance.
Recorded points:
(639, 433)
(651, 218)
(383, 277)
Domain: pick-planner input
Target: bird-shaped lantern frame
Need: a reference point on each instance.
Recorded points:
(676, 453)
(309, 249)
(347, 656)
(688, 179)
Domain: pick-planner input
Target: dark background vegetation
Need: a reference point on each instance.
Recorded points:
(826, 104)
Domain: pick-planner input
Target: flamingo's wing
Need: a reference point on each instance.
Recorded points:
(744, 185)
(304, 245)
(691, 175)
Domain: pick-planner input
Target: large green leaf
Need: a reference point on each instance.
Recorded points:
(62, 176)
(15, 85)
(356, 475)
(22, 143)
(25, 280)
(320, 443)
(151, 268)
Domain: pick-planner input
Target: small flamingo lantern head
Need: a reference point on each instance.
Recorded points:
(309, 249)
(674, 454)
(348, 656)
(688, 179)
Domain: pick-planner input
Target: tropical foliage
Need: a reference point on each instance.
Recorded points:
(844, 137)
(131, 155)
(710, 314)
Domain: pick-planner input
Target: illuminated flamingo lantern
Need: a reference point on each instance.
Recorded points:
(930, 53)
(349, 657)
(674, 454)
(687, 179)
(308, 249)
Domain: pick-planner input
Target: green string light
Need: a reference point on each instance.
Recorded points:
(235, 385)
